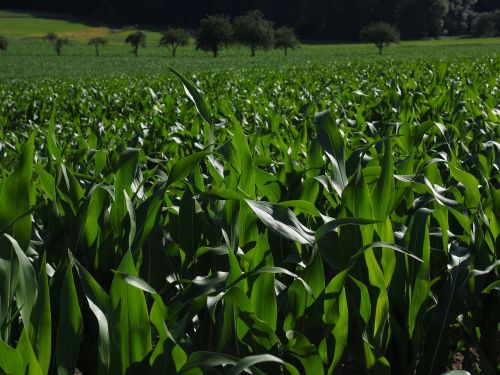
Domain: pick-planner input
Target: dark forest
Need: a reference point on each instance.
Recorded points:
(334, 20)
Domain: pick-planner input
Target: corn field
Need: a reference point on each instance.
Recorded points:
(337, 219)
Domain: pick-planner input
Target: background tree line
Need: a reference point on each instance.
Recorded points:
(312, 19)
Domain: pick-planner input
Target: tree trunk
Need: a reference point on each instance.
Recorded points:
(380, 50)
(96, 51)
(286, 53)
(135, 50)
(214, 51)
(174, 50)
(252, 47)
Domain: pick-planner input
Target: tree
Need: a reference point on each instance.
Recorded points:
(97, 42)
(174, 38)
(422, 18)
(254, 31)
(436, 11)
(459, 16)
(136, 39)
(215, 31)
(284, 37)
(3, 43)
(487, 6)
(486, 24)
(57, 41)
(381, 34)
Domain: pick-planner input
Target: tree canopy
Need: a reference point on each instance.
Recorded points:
(97, 42)
(214, 32)
(285, 38)
(381, 34)
(136, 39)
(254, 31)
(174, 38)
(57, 41)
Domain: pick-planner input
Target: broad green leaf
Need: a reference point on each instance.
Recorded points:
(419, 244)
(52, 145)
(136, 282)
(383, 196)
(247, 178)
(306, 353)
(334, 224)
(47, 182)
(332, 292)
(14, 202)
(195, 96)
(302, 206)
(206, 360)
(189, 232)
(98, 303)
(133, 223)
(357, 199)
(282, 221)
(42, 320)
(493, 286)
(314, 275)
(271, 270)
(130, 334)
(222, 194)
(383, 202)
(472, 195)
(340, 331)
(185, 166)
(124, 176)
(167, 357)
(331, 141)
(26, 287)
(247, 227)
(10, 360)
(267, 185)
(25, 349)
(384, 245)
(247, 362)
(263, 296)
(70, 326)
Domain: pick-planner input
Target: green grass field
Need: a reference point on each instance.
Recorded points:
(27, 59)
(20, 25)
(28, 56)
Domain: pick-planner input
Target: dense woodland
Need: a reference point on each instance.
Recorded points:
(312, 19)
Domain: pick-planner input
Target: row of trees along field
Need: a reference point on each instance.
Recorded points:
(317, 19)
(251, 30)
